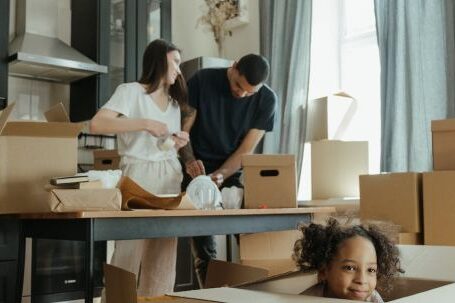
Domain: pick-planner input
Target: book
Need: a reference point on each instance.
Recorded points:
(69, 179)
(95, 184)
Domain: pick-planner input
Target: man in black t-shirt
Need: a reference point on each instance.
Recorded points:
(230, 109)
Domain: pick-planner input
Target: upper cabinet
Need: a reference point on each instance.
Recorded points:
(113, 33)
(4, 28)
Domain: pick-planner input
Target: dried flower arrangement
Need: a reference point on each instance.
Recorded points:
(218, 13)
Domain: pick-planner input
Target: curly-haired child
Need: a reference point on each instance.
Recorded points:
(351, 261)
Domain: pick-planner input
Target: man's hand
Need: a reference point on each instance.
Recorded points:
(194, 168)
(217, 178)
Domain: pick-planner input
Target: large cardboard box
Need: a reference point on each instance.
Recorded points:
(329, 117)
(429, 278)
(30, 154)
(394, 197)
(336, 166)
(443, 139)
(271, 250)
(439, 207)
(270, 181)
(105, 159)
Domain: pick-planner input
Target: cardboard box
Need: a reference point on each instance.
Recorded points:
(429, 278)
(443, 140)
(271, 250)
(439, 207)
(329, 117)
(105, 159)
(270, 181)
(345, 208)
(67, 200)
(336, 166)
(121, 284)
(221, 273)
(30, 154)
(410, 239)
(394, 197)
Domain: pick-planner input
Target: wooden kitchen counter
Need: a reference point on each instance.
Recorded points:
(175, 213)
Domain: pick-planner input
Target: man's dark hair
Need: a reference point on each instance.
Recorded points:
(255, 68)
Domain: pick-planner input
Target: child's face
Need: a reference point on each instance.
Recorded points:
(352, 272)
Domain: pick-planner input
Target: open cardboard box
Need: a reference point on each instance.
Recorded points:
(430, 276)
(30, 154)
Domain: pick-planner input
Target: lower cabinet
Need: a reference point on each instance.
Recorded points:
(186, 277)
(8, 277)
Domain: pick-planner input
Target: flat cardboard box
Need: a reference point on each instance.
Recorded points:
(439, 207)
(30, 154)
(394, 197)
(429, 277)
(443, 142)
(270, 181)
(271, 250)
(68, 200)
(105, 159)
(336, 167)
(329, 117)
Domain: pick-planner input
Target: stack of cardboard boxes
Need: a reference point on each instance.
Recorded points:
(335, 164)
(31, 153)
(270, 182)
(423, 204)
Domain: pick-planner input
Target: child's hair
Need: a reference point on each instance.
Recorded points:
(320, 244)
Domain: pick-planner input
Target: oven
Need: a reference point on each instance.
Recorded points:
(56, 270)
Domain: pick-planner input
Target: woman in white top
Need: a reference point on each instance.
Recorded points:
(140, 113)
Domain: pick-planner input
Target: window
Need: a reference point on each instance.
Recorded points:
(345, 57)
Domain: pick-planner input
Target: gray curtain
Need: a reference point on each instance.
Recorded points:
(416, 47)
(285, 41)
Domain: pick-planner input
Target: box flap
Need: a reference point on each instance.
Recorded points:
(268, 160)
(443, 125)
(220, 273)
(42, 129)
(344, 94)
(57, 113)
(428, 262)
(120, 285)
(274, 267)
(4, 116)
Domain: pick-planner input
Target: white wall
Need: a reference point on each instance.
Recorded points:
(198, 41)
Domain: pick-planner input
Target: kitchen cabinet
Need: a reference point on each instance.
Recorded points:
(9, 258)
(4, 33)
(113, 33)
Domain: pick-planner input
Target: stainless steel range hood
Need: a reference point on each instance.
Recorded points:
(37, 56)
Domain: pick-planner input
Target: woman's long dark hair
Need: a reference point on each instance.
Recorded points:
(154, 70)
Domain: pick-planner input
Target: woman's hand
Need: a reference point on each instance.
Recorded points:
(181, 139)
(155, 128)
